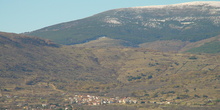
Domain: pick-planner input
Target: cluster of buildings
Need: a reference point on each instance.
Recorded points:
(72, 102)
(96, 100)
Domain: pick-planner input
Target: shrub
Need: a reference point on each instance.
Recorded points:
(130, 78)
(205, 96)
(182, 97)
(193, 58)
(19, 88)
(149, 77)
(176, 86)
(146, 95)
(172, 92)
(197, 96)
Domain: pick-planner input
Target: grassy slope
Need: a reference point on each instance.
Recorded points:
(24, 64)
(38, 68)
(104, 42)
(211, 47)
(168, 70)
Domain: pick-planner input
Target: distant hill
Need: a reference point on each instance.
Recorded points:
(211, 45)
(186, 22)
(104, 42)
(20, 41)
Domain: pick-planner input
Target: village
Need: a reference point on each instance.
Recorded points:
(77, 101)
(88, 100)
(96, 100)
(68, 102)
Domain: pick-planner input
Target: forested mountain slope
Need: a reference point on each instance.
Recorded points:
(187, 22)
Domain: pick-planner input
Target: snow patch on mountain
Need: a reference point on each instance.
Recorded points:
(208, 3)
(112, 21)
(196, 3)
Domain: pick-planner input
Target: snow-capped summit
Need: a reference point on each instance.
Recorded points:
(195, 3)
(207, 3)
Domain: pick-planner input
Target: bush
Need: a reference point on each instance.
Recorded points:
(172, 92)
(176, 86)
(197, 96)
(19, 88)
(182, 97)
(130, 78)
(193, 58)
(205, 96)
(146, 95)
(30, 83)
(149, 77)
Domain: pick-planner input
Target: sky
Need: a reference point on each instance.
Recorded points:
(18, 16)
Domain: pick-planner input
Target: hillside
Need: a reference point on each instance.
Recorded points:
(186, 22)
(25, 61)
(105, 42)
(209, 45)
(37, 71)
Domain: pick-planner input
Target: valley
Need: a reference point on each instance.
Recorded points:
(43, 69)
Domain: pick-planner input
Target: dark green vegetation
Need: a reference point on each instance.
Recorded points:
(139, 25)
(38, 71)
(211, 47)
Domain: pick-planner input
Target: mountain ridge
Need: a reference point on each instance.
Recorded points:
(188, 23)
(209, 3)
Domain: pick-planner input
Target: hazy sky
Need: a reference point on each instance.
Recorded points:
(27, 15)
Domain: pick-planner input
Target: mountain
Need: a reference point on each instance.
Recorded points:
(186, 22)
(37, 71)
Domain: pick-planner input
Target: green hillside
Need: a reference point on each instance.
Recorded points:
(211, 47)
